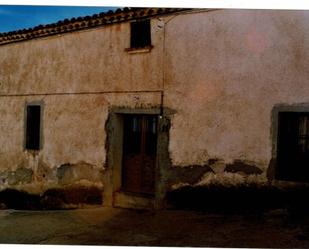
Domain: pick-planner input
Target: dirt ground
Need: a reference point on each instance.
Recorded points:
(111, 226)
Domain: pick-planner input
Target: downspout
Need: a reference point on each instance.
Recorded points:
(164, 50)
(163, 64)
(163, 73)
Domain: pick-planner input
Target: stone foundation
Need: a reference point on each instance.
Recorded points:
(66, 186)
(56, 198)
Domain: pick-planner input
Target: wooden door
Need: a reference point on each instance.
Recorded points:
(139, 153)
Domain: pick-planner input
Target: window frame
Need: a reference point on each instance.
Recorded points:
(136, 30)
(134, 46)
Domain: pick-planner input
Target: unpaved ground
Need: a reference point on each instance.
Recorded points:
(107, 226)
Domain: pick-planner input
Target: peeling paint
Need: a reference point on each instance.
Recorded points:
(241, 167)
(19, 176)
(189, 174)
(231, 179)
(70, 173)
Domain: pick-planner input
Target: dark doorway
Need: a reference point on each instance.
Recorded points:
(139, 154)
(293, 146)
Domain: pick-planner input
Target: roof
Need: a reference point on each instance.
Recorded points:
(81, 23)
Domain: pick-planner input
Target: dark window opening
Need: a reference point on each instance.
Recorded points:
(293, 146)
(33, 127)
(140, 34)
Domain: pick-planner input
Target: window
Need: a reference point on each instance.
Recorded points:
(140, 34)
(293, 146)
(33, 127)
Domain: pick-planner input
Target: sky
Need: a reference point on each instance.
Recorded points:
(15, 17)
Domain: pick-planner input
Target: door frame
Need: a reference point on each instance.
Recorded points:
(289, 164)
(273, 171)
(113, 196)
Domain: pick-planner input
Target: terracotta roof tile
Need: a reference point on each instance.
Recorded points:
(86, 22)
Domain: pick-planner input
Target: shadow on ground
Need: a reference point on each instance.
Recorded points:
(51, 199)
(120, 227)
(197, 217)
(239, 199)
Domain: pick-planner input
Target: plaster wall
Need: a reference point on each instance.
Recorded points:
(225, 71)
(91, 60)
(76, 77)
(73, 133)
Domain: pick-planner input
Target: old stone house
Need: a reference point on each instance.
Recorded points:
(131, 104)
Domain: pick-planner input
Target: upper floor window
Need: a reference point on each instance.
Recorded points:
(140, 34)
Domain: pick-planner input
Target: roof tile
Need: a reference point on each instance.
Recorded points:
(86, 22)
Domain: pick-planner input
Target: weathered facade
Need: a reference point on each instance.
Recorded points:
(202, 97)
